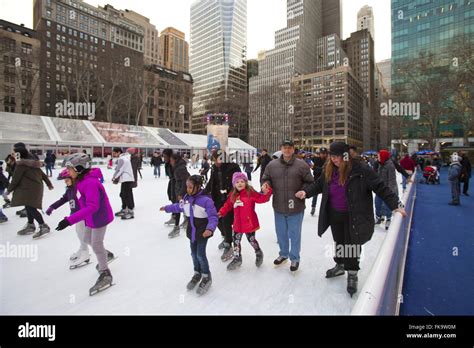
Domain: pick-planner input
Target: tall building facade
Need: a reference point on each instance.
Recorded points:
(365, 20)
(330, 53)
(329, 106)
(89, 54)
(218, 63)
(360, 52)
(271, 113)
(174, 50)
(169, 96)
(151, 42)
(332, 17)
(20, 69)
(385, 67)
(428, 27)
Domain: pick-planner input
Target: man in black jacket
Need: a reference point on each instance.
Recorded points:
(262, 163)
(156, 162)
(219, 187)
(180, 175)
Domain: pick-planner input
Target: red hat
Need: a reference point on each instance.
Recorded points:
(132, 150)
(384, 156)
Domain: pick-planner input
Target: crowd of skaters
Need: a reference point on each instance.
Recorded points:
(221, 197)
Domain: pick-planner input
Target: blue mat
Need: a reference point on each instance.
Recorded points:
(437, 282)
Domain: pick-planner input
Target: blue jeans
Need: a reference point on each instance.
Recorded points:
(404, 183)
(382, 209)
(157, 171)
(49, 169)
(288, 229)
(198, 253)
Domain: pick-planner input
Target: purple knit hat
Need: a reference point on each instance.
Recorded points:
(239, 176)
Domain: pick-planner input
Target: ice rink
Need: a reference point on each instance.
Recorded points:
(151, 271)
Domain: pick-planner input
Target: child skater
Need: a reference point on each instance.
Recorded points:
(202, 214)
(242, 200)
(82, 256)
(95, 210)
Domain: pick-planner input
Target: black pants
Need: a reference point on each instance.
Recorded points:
(225, 225)
(249, 175)
(126, 194)
(238, 242)
(465, 187)
(347, 252)
(33, 214)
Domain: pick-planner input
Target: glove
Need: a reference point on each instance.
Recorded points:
(49, 211)
(63, 224)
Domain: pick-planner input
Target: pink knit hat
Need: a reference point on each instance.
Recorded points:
(239, 176)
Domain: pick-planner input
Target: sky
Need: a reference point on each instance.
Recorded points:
(264, 18)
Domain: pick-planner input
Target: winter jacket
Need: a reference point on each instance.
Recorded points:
(27, 184)
(286, 179)
(50, 159)
(156, 161)
(94, 205)
(180, 174)
(466, 167)
(408, 164)
(397, 166)
(70, 196)
(201, 212)
(263, 162)
(388, 175)
(205, 167)
(318, 167)
(245, 217)
(360, 185)
(136, 164)
(123, 170)
(454, 172)
(220, 182)
(171, 182)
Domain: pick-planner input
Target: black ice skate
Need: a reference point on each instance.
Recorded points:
(104, 282)
(280, 261)
(44, 230)
(110, 257)
(128, 214)
(236, 263)
(174, 233)
(259, 258)
(228, 253)
(194, 281)
(204, 286)
(313, 211)
(336, 271)
(352, 281)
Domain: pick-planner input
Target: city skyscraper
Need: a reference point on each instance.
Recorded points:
(429, 28)
(174, 50)
(270, 110)
(218, 63)
(365, 20)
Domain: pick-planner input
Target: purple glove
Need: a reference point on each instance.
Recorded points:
(49, 211)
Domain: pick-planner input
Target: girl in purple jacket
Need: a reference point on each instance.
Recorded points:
(94, 210)
(203, 219)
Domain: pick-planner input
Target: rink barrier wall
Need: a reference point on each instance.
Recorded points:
(381, 293)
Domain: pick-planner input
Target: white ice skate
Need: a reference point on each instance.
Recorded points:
(83, 259)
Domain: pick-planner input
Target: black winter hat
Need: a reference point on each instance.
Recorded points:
(197, 181)
(338, 149)
(19, 146)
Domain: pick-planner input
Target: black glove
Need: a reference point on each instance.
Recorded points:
(63, 224)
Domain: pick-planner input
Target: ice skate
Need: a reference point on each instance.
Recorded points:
(313, 211)
(44, 230)
(295, 265)
(194, 281)
(352, 281)
(104, 282)
(336, 271)
(82, 259)
(170, 222)
(259, 258)
(174, 233)
(120, 213)
(280, 261)
(236, 263)
(128, 215)
(228, 253)
(28, 229)
(205, 284)
(110, 257)
(184, 225)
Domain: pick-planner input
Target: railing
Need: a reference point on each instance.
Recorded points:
(381, 293)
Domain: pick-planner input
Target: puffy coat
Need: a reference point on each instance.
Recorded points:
(123, 170)
(221, 180)
(245, 217)
(201, 212)
(180, 174)
(387, 173)
(27, 184)
(360, 185)
(94, 205)
(286, 179)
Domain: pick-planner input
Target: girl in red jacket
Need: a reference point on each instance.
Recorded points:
(242, 200)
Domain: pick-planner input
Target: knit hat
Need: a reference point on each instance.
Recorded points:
(239, 176)
(384, 156)
(338, 149)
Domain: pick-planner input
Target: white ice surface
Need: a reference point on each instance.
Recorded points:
(151, 271)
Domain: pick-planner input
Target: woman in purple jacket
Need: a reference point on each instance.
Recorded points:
(203, 219)
(95, 210)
